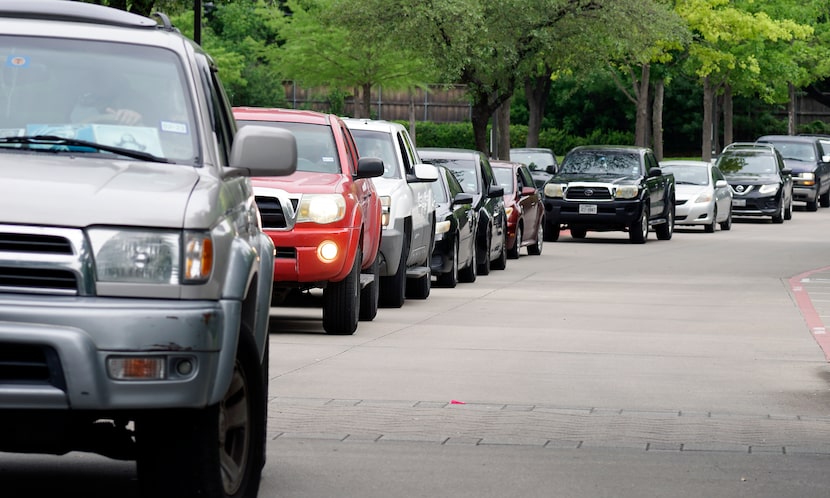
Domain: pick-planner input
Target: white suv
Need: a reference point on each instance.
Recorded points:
(408, 209)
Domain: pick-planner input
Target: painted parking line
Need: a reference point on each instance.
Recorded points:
(808, 311)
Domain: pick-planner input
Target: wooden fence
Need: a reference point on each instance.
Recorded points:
(444, 103)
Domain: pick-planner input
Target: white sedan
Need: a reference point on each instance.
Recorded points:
(703, 197)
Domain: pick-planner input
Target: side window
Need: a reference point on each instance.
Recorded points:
(718, 174)
(651, 162)
(487, 174)
(351, 148)
(527, 179)
(407, 153)
(223, 126)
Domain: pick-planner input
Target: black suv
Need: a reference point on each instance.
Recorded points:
(473, 171)
(761, 183)
(809, 159)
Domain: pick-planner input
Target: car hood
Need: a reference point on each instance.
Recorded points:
(387, 186)
(302, 182)
(83, 191)
(690, 191)
(800, 166)
(583, 178)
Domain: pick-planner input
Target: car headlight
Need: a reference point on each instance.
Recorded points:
(321, 208)
(704, 197)
(151, 257)
(627, 192)
(555, 190)
(385, 209)
(442, 227)
(807, 176)
(770, 188)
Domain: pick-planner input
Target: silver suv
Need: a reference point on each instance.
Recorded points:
(135, 280)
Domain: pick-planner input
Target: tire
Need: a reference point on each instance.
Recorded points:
(341, 302)
(393, 287)
(727, 224)
(483, 267)
(824, 199)
(638, 231)
(513, 252)
(500, 263)
(551, 233)
(710, 228)
(369, 295)
(536, 249)
(181, 452)
(788, 212)
(578, 233)
(469, 273)
(450, 279)
(812, 206)
(779, 217)
(666, 230)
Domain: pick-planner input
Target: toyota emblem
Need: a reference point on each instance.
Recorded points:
(589, 192)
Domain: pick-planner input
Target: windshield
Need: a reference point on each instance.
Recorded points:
(464, 170)
(609, 162)
(316, 150)
(796, 151)
(688, 175)
(534, 160)
(747, 165)
(378, 144)
(116, 95)
(504, 176)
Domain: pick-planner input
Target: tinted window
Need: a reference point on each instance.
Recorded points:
(378, 144)
(798, 151)
(464, 171)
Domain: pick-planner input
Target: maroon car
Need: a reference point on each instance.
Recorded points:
(523, 207)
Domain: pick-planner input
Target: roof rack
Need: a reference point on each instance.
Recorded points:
(749, 146)
(54, 10)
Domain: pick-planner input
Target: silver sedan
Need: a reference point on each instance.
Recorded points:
(703, 197)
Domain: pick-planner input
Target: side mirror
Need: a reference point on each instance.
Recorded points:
(462, 198)
(787, 171)
(551, 169)
(369, 167)
(655, 172)
(423, 173)
(528, 191)
(264, 151)
(495, 191)
(721, 184)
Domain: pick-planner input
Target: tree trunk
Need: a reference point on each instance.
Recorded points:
(480, 117)
(791, 125)
(367, 100)
(657, 118)
(503, 136)
(641, 93)
(537, 90)
(716, 107)
(356, 102)
(708, 94)
(728, 116)
(412, 116)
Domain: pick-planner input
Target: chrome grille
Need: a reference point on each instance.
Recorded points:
(587, 193)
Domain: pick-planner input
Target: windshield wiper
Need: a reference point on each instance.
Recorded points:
(55, 140)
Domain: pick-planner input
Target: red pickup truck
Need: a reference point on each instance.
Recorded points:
(325, 219)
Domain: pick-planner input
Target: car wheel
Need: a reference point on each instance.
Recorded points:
(812, 205)
(216, 451)
(710, 228)
(551, 233)
(638, 231)
(484, 264)
(393, 287)
(779, 216)
(824, 199)
(513, 252)
(727, 224)
(369, 295)
(500, 263)
(579, 233)
(341, 302)
(468, 273)
(666, 230)
(788, 213)
(450, 279)
(536, 248)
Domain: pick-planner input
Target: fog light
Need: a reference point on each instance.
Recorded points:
(327, 251)
(136, 368)
(184, 367)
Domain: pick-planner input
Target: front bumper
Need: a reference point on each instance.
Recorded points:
(767, 205)
(297, 262)
(609, 215)
(688, 212)
(74, 337)
(805, 194)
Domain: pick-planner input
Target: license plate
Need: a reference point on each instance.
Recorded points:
(587, 209)
(739, 202)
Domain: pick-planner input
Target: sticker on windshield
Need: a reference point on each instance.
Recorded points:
(174, 127)
(17, 61)
(328, 159)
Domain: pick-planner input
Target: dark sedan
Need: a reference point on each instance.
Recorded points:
(475, 175)
(809, 159)
(454, 254)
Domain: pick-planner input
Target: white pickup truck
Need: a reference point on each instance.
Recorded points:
(408, 209)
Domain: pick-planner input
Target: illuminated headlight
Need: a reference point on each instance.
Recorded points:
(627, 192)
(321, 208)
(807, 178)
(704, 197)
(152, 257)
(555, 190)
(768, 189)
(385, 209)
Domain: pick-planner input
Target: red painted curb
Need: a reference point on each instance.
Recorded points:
(808, 311)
